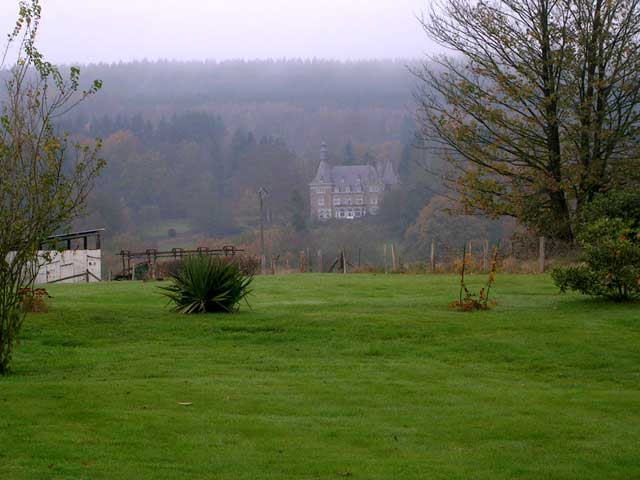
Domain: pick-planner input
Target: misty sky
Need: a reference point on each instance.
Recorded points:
(113, 30)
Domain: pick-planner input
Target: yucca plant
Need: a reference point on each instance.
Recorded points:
(204, 284)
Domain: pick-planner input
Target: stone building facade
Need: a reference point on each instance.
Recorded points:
(349, 192)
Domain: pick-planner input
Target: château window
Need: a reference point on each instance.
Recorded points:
(321, 201)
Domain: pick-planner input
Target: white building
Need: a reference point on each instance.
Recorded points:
(70, 258)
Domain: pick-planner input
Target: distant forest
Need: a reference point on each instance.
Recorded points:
(188, 145)
(302, 102)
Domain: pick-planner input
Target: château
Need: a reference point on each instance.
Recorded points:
(349, 191)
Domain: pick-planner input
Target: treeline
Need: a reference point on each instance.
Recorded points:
(302, 102)
(310, 83)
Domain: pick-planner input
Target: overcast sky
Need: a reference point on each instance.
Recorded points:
(112, 30)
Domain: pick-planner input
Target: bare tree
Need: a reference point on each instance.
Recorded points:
(537, 107)
(45, 178)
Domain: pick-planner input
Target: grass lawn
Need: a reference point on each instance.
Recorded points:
(359, 376)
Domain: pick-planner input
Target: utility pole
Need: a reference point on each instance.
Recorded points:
(262, 193)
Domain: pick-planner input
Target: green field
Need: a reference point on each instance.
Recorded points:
(359, 376)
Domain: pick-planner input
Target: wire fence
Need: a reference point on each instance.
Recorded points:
(512, 256)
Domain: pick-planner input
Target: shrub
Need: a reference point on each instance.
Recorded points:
(206, 284)
(611, 256)
(141, 271)
(170, 268)
(247, 264)
(468, 301)
(34, 300)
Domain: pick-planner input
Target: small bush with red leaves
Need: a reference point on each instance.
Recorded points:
(469, 302)
(34, 300)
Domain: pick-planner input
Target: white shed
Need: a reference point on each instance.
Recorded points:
(70, 258)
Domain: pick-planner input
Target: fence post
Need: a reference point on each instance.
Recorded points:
(386, 268)
(344, 262)
(541, 257)
(393, 258)
(320, 262)
(485, 256)
(301, 262)
(432, 260)
(155, 265)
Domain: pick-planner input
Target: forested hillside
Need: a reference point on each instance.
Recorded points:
(303, 102)
(188, 146)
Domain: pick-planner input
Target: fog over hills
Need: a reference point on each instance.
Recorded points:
(303, 102)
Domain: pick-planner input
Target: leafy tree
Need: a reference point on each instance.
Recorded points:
(299, 211)
(624, 205)
(404, 167)
(45, 177)
(401, 206)
(272, 166)
(435, 222)
(539, 109)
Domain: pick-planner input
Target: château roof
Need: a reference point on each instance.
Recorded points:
(355, 174)
(324, 173)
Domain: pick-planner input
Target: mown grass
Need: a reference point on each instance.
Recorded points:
(328, 376)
